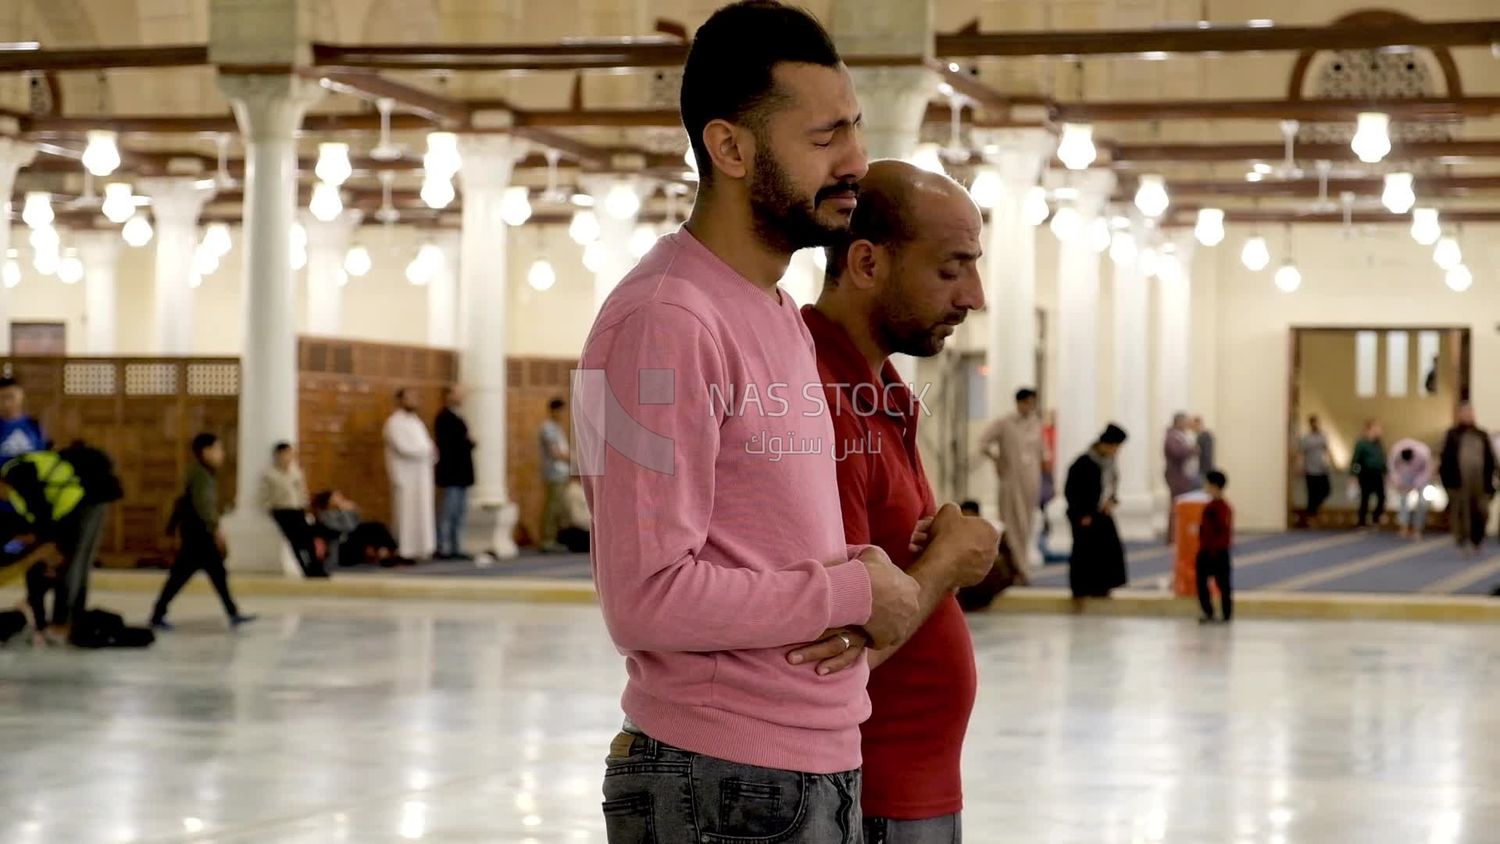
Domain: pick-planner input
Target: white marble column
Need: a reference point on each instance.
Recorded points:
(327, 244)
(484, 290)
(1010, 266)
(614, 235)
(1174, 365)
(442, 293)
(14, 155)
(269, 111)
(175, 205)
(1076, 393)
(100, 253)
(1132, 319)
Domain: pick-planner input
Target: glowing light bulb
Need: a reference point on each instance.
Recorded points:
(1076, 149)
(1122, 248)
(10, 273)
(541, 276)
(1209, 229)
(1372, 139)
(37, 212)
(137, 231)
(1459, 279)
(333, 164)
(119, 204)
(357, 261)
(584, 227)
(1066, 223)
(1098, 235)
(515, 205)
(1151, 197)
(594, 257)
(1255, 255)
(441, 159)
(641, 241)
(1447, 253)
(437, 191)
(326, 204)
(1288, 277)
(1398, 196)
(216, 239)
(102, 155)
(1425, 228)
(621, 201)
(928, 157)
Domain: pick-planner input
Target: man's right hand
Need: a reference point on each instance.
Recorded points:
(896, 600)
(965, 546)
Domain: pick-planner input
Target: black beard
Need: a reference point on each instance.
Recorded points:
(785, 221)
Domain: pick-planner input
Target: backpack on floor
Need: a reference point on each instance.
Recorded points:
(11, 623)
(96, 628)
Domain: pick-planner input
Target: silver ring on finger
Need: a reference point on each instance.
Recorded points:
(848, 643)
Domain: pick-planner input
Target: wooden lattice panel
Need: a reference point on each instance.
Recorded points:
(142, 414)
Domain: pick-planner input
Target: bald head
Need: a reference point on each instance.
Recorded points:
(892, 197)
(909, 257)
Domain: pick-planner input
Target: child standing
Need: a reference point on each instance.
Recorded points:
(1215, 537)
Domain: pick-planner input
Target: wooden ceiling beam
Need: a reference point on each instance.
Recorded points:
(1424, 109)
(103, 58)
(1127, 153)
(1163, 42)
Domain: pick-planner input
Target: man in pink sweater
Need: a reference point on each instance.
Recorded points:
(704, 445)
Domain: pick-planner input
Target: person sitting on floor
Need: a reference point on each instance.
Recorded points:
(351, 541)
(283, 492)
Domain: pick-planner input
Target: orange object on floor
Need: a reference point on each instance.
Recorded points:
(1188, 516)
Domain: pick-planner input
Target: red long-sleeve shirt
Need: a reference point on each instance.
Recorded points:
(1216, 534)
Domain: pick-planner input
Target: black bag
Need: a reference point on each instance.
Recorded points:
(11, 623)
(96, 628)
(104, 629)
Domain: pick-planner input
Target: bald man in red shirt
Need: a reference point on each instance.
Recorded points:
(904, 278)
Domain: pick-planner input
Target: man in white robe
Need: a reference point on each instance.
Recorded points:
(1014, 444)
(409, 458)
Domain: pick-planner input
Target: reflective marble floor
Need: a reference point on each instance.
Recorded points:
(357, 721)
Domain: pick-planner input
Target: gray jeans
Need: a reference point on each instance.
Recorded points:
(658, 794)
(948, 829)
(81, 547)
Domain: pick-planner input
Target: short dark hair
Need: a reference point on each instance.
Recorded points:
(202, 442)
(970, 507)
(1408, 453)
(1217, 478)
(1025, 394)
(881, 218)
(400, 393)
(7, 381)
(556, 404)
(728, 73)
(280, 447)
(322, 499)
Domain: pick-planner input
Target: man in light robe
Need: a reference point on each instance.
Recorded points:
(409, 457)
(1180, 449)
(1014, 444)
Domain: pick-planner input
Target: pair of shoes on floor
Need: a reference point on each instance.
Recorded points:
(459, 557)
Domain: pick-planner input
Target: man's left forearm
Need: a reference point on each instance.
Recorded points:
(935, 588)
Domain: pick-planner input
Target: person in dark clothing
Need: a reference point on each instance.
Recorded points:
(195, 517)
(454, 474)
(1003, 573)
(1215, 538)
(1368, 465)
(350, 540)
(1098, 560)
(58, 499)
(1467, 467)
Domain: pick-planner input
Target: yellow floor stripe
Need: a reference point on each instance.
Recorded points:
(1459, 581)
(1312, 578)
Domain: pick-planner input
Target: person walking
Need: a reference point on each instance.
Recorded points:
(1014, 445)
(1316, 462)
(1467, 468)
(195, 518)
(1097, 565)
(1369, 467)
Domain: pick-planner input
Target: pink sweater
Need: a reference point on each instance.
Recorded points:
(712, 553)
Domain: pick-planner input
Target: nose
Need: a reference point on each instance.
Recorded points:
(855, 161)
(971, 292)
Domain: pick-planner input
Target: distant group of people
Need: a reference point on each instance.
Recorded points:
(1465, 466)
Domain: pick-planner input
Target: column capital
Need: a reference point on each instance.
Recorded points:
(1095, 186)
(488, 160)
(331, 234)
(269, 106)
(1018, 156)
(14, 154)
(175, 200)
(97, 247)
(895, 101)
